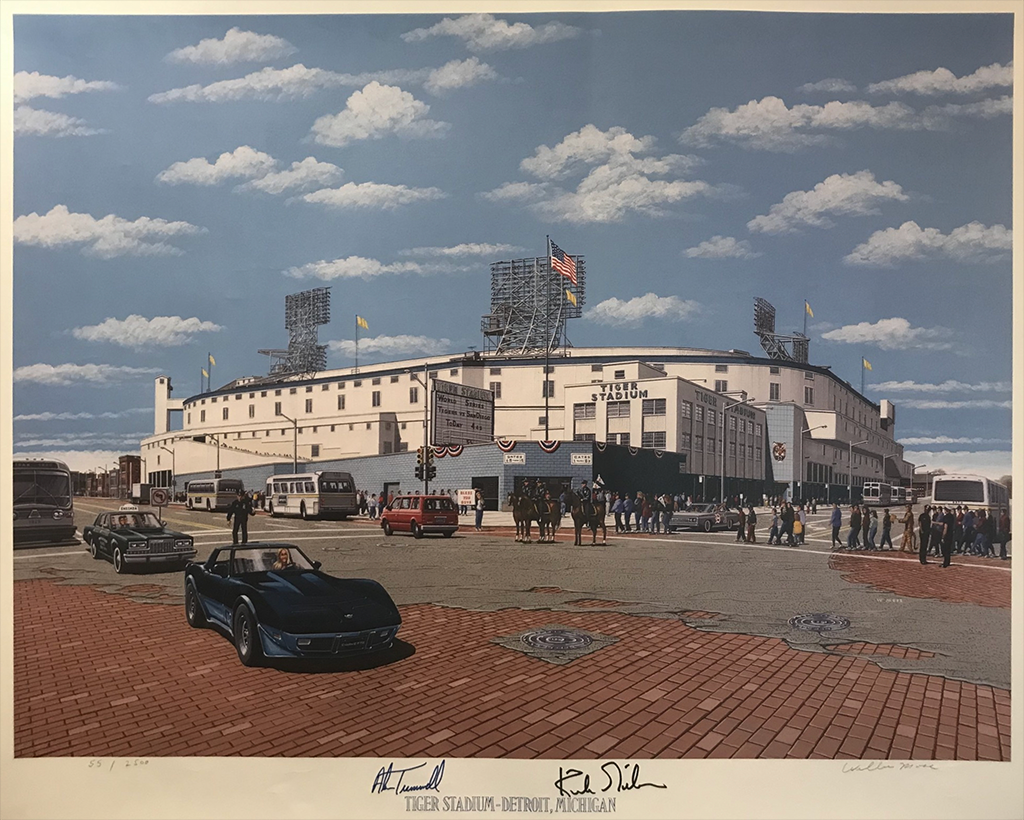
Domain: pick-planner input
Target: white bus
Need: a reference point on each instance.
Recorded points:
(43, 503)
(312, 495)
(877, 494)
(212, 493)
(973, 490)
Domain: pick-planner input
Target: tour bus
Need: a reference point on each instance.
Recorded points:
(877, 494)
(312, 495)
(43, 501)
(899, 496)
(212, 493)
(973, 490)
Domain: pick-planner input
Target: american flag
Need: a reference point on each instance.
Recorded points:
(563, 263)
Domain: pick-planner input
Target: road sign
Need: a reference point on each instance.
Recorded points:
(159, 497)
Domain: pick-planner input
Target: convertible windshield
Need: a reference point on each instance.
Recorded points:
(267, 559)
(134, 521)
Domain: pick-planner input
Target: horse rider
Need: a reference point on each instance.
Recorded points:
(585, 499)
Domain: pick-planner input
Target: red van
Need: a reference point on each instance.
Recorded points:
(420, 514)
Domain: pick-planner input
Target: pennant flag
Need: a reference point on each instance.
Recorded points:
(569, 295)
(563, 263)
(212, 360)
(867, 364)
(203, 369)
(810, 312)
(361, 322)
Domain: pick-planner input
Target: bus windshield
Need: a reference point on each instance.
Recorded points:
(960, 490)
(39, 487)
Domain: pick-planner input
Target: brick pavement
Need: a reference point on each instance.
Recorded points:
(959, 583)
(100, 674)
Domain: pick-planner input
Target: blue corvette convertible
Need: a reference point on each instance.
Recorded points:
(276, 603)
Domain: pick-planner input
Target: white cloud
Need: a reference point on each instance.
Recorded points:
(856, 194)
(517, 192)
(588, 146)
(351, 267)
(371, 195)
(465, 249)
(910, 242)
(769, 125)
(93, 375)
(458, 74)
(991, 463)
(484, 32)
(35, 122)
(65, 416)
(243, 162)
(944, 81)
(138, 331)
(635, 311)
(309, 173)
(391, 345)
(237, 47)
(106, 237)
(82, 461)
(891, 334)
(918, 441)
(31, 84)
(89, 439)
(375, 112)
(832, 85)
(948, 386)
(969, 404)
(722, 247)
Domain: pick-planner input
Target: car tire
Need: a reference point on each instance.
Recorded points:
(707, 525)
(193, 609)
(416, 530)
(447, 534)
(245, 632)
(386, 526)
(93, 549)
(118, 559)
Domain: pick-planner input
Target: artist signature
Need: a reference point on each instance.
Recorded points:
(625, 778)
(383, 781)
(881, 766)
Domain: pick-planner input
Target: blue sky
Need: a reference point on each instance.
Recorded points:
(175, 177)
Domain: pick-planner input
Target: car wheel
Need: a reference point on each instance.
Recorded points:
(119, 565)
(446, 534)
(193, 609)
(246, 634)
(416, 530)
(386, 526)
(93, 550)
(707, 525)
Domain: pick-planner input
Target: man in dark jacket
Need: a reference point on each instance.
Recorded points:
(948, 530)
(240, 510)
(852, 541)
(924, 520)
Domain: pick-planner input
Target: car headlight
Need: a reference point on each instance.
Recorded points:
(136, 546)
(183, 544)
(58, 513)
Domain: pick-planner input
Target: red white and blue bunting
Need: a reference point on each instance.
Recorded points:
(506, 445)
(601, 446)
(633, 450)
(454, 450)
(659, 453)
(549, 446)
(439, 452)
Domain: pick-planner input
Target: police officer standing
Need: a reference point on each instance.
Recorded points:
(240, 510)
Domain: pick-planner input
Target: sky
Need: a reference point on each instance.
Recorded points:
(176, 177)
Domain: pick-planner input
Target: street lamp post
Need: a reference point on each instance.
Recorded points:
(801, 460)
(174, 474)
(295, 443)
(852, 445)
(96, 471)
(725, 430)
(426, 428)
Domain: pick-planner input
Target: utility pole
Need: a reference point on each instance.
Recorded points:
(428, 459)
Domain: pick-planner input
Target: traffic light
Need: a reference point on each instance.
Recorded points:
(419, 456)
(419, 472)
(431, 472)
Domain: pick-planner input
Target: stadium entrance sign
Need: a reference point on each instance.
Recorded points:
(618, 391)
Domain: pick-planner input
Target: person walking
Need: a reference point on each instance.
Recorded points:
(751, 525)
(1003, 533)
(645, 514)
(937, 530)
(240, 509)
(657, 508)
(627, 512)
(886, 531)
(802, 513)
(371, 505)
(909, 542)
(865, 526)
(948, 527)
(479, 505)
(853, 540)
(741, 530)
(788, 517)
(872, 529)
(836, 521)
(924, 521)
(638, 503)
(776, 530)
(617, 511)
(969, 532)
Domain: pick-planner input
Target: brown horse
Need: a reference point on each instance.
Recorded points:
(581, 519)
(524, 513)
(549, 519)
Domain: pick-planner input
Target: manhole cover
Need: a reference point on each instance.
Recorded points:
(557, 639)
(819, 622)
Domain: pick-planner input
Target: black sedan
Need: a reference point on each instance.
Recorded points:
(705, 517)
(131, 537)
(274, 602)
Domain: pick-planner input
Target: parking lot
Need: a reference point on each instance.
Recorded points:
(698, 646)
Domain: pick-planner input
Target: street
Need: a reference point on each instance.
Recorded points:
(692, 645)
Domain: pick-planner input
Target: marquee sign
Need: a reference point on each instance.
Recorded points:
(460, 414)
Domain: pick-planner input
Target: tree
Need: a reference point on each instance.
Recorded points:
(1008, 481)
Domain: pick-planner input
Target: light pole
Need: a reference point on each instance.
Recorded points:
(852, 445)
(725, 429)
(801, 461)
(295, 443)
(174, 474)
(426, 437)
(917, 467)
(96, 471)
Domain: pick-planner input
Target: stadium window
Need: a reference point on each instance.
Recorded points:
(453, 372)
(375, 398)
(732, 423)
(654, 407)
(341, 385)
(300, 430)
(403, 425)
(252, 411)
(620, 374)
(309, 405)
(542, 420)
(309, 388)
(189, 419)
(495, 387)
(277, 408)
(202, 415)
(721, 368)
(292, 391)
(548, 389)
(586, 410)
(686, 409)
(698, 414)
(368, 425)
(711, 417)
(732, 449)
(341, 402)
(618, 409)
(808, 395)
(263, 394)
(686, 441)
(596, 368)
(721, 386)
(774, 391)
(655, 438)
(394, 380)
(351, 427)
(277, 392)
(414, 395)
(357, 383)
(584, 437)
(375, 382)
(314, 451)
(324, 387)
(624, 439)
(549, 368)
(213, 400)
(332, 428)
(809, 376)
(495, 371)
(238, 396)
(433, 374)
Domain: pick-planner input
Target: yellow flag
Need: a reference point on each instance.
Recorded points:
(810, 312)
(361, 322)
(867, 364)
(204, 372)
(569, 295)
(212, 360)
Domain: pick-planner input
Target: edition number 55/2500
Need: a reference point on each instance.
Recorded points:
(129, 763)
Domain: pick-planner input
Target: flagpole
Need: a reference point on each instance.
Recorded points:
(356, 368)
(862, 370)
(547, 344)
(208, 371)
(805, 317)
